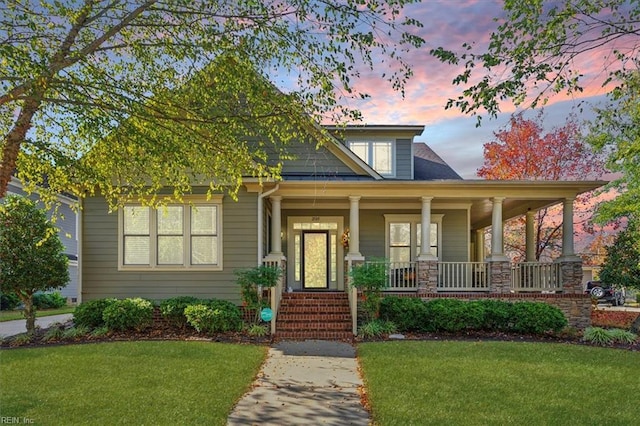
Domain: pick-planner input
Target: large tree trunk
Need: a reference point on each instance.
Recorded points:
(13, 140)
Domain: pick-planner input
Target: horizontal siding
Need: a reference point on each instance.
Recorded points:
(404, 159)
(372, 233)
(101, 278)
(372, 230)
(454, 233)
(311, 161)
(455, 236)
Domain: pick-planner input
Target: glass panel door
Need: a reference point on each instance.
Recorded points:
(315, 265)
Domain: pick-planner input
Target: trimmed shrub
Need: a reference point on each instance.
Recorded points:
(214, 316)
(9, 301)
(49, 301)
(408, 313)
(173, 309)
(128, 314)
(89, 314)
(536, 318)
(496, 314)
(474, 316)
(446, 315)
(454, 315)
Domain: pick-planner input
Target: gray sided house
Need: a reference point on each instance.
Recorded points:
(369, 193)
(67, 223)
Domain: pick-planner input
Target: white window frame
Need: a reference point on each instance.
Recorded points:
(413, 220)
(153, 265)
(371, 141)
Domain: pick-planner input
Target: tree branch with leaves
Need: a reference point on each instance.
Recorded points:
(74, 75)
(542, 48)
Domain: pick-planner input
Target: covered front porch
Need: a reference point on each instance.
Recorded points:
(317, 234)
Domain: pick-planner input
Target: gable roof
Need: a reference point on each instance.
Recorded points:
(427, 165)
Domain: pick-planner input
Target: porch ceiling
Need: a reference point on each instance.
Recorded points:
(476, 195)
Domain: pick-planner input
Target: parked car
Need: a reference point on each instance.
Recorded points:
(605, 293)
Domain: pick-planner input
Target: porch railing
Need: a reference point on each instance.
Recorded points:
(463, 276)
(275, 293)
(402, 276)
(536, 276)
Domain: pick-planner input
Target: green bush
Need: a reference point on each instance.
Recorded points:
(258, 330)
(89, 314)
(496, 314)
(55, 332)
(445, 315)
(597, 335)
(622, 336)
(173, 309)
(377, 328)
(49, 301)
(408, 313)
(75, 332)
(536, 318)
(214, 316)
(128, 314)
(371, 279)
(9, 301)
(454, 315)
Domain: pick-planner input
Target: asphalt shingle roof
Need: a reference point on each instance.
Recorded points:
(427, 165)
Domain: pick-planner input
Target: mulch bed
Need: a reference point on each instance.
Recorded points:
(156, 332)
(166, 332)
(479, 336)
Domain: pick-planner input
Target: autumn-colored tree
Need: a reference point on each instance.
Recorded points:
(542, 48)
(596, 251)
(523, 151)
(72, 72)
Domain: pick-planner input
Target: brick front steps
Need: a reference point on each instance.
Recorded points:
(317, 315)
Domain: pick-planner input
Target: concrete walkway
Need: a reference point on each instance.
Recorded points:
(311, 382)
(11, 328)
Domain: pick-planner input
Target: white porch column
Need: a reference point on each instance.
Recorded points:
(497, 237)
(276, 225)
(530, 238)
(479, 245)
(425, 242)
(354, 227)
(568, 253)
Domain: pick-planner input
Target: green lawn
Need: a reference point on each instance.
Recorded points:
(152, 383)
(497, 383)
(17, 315)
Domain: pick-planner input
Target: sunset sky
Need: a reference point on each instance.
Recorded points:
(450, 23)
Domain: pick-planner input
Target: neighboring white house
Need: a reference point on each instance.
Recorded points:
(67, 223)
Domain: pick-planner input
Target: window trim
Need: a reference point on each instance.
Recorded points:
(370, 141)
(153, 265)
(413, 219)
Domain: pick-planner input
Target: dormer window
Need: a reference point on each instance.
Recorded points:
(379, 154)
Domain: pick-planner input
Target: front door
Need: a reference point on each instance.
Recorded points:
(315, 255)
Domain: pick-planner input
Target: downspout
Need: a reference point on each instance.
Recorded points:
(79, 247)
(261, 197)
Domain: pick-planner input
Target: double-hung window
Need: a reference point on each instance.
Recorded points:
(177, 236)
(379, 154)
(404, 236)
